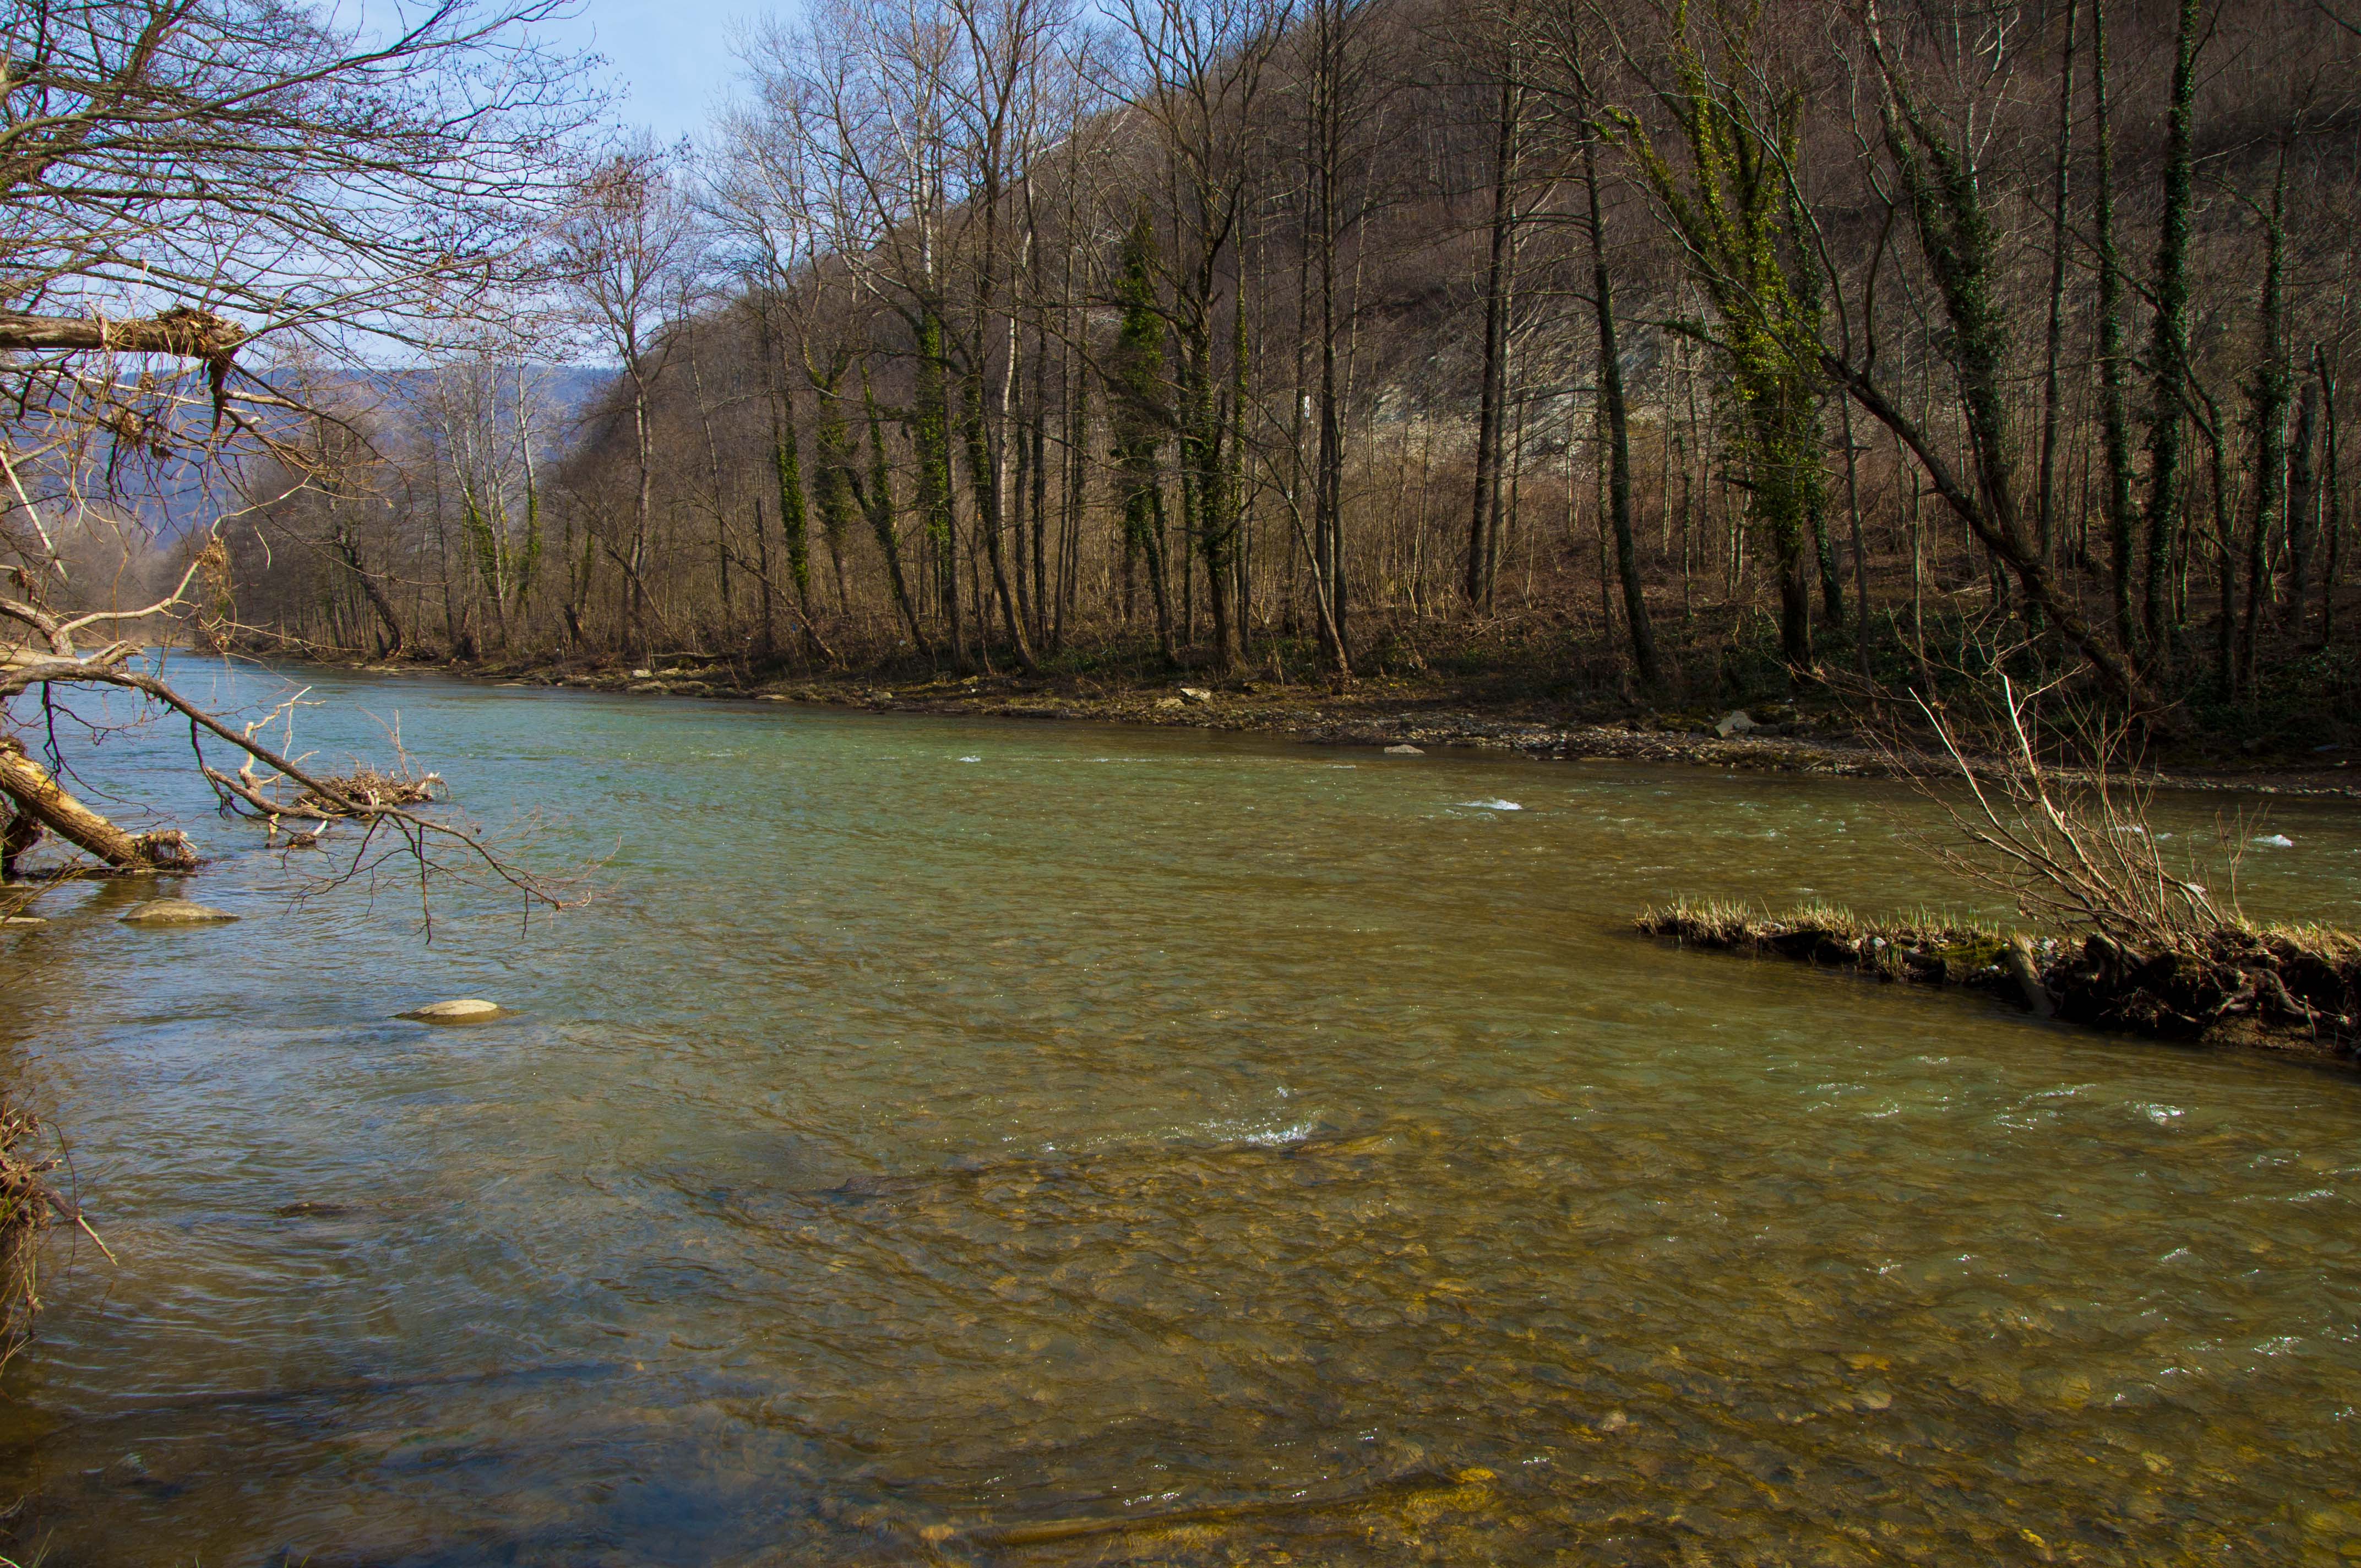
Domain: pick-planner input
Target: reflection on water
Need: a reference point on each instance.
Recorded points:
(996, 1144)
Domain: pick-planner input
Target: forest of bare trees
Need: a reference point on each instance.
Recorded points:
(1663, 350)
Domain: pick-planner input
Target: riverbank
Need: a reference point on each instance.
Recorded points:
(2291, 990)
(1496, 713)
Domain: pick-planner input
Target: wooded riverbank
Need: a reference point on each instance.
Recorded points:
(1383, 710)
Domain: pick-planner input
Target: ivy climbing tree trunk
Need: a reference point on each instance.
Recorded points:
(1618, 435)
(1944, 196)
(1733, 213)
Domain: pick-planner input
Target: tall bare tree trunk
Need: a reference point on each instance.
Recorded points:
(1483, 523)
(2062, 167)
(644, 452)
(2303, 497)
(2332, 509)
(2114, 421)
(2169, 353)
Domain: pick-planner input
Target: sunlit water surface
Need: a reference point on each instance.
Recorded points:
(987, 1143)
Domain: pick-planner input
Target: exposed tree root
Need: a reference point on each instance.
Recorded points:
(2281, 987)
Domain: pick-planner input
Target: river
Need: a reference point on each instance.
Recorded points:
(987, 1142)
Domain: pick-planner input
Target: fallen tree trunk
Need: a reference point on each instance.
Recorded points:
(2000, 534)
(36, 795)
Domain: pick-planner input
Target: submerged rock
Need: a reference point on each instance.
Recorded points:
(175, 912)
(462, 1010)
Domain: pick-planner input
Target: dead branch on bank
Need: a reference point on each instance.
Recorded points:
(2124, 935)
(2072, 845)
(2164, 948)
(384, 804)
(249, 794)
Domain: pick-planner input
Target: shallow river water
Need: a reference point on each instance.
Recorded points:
(991, 1142)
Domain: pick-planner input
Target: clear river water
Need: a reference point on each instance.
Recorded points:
(1001, 1143)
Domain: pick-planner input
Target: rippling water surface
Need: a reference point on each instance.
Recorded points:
(986, 1143)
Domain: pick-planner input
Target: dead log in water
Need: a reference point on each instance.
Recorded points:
(39, 799)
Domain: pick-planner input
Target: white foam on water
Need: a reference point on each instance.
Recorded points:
(2277, 841)
(1489, 805)
(1280, 1137)
(1262, 1131)
(971, 759)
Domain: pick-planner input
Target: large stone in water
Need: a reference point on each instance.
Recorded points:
(1404, 750)
(175, 912)
(463, 1010)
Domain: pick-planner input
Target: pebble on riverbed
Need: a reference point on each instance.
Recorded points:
(175, 912)
(464, 1010)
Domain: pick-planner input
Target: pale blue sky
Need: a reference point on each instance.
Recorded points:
(672, 58)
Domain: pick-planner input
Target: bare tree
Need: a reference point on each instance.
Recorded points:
(628, 247)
